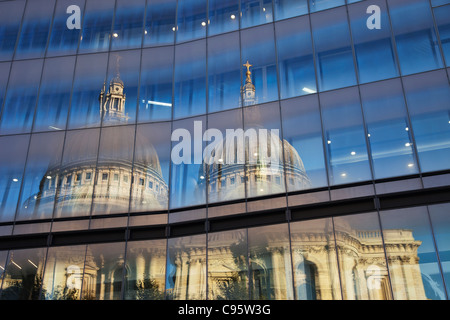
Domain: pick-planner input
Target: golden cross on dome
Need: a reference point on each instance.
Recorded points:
(248, 74)
(248, 65)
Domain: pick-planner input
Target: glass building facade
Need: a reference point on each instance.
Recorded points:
(97, 98)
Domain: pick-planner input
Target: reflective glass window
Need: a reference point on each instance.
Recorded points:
(191, 20)
(4, 75)
(74, 179)
(128, 24)
(12, 161)
(54, 94)
(3, 257)
(374, 48)
(223, 16)
(411, 255)
(146, 268)
(427, 97)
(23, 274)
(345, 137)
(37, 195)
(64, 40)
(227, 265)
(186, 268)
(255, 12)
(439, 2)
(362, 260)
(442, 17)
(35, 29)
(155, 95)
(20, 99)
(289, 8)
(64, 273)
(11, 15)
(303, 143)
(190, 79)
(97, 25)
(314, 260)
(417, 44)
(334, 58)
(115, 157)
(389, 131)
(150, 189)
(295, 57)
(90, 78)
(224, 72)
(258, 49)
(317, 5)
(270, 263)
(104, 271)
(160, 22)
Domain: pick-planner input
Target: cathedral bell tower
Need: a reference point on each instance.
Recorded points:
(248, 93)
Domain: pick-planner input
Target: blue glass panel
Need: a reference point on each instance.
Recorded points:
(374, 48)
(295, 57)
(435, 3)
(160, 22)
(97, 26)
(302, 129)
(255, 12)
(11, 170)
(20, 99)
(388, 129)
(345, 138)
(191, 20)
(334, 57)
(37, 195)
(128, 24)
(54, 95)
(428, 97)
(223, 16)
(90, 77)
(318, 5)
(190, 79)
(155, 95)
(258, 48)
(11, 13)
(4, 74)
(35, 29)
(224, 72)
(62, 39)
(290, 8)
(417, 44)
(442, 16)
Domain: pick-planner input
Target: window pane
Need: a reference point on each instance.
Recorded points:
(74, 179)
(258, 48)
(334, 58)
(155, 101)
(442, 17)
(224, 72)
(427, 97)
(270, 263)
(190, 79)
(411, 255)
(146, 268)
(186, 268)
(151, 167)
(346, 144)
(417, 44)
(316, 275)
(373, 47)
(223, 16)
(295, 57)
(64, 272)
(23, 274)
(4, 75)
(227, 265)
(20, 99)
(317, 5)
(35, 29)
(10, 15)
(160, 22)
(302, 131)
(255, 12)
(362, 261)
(439, 2)
(12, 164)
(128, 24)
(54, 94)
(191, 20)
(290, 8)
(388, 129)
